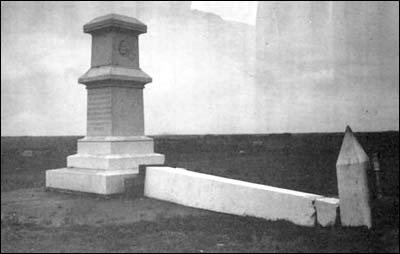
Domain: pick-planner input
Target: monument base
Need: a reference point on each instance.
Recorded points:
(102, 164)
(113, 161)
(89, 180)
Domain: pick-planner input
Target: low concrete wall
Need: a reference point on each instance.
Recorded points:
(230, 196)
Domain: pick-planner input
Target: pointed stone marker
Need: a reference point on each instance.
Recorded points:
(351, 169)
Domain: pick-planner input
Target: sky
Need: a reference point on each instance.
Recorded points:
(240, 11)
(203, 73)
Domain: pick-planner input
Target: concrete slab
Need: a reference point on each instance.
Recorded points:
(230, 196)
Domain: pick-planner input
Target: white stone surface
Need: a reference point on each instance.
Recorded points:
(229, 196)
(351, 170)
(327, 211)
(113, 161)
(115, 146)
(92, 181)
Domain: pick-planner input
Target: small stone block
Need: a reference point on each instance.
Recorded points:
(327, 211)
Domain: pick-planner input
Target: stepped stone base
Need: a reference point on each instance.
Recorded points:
(113, 161)
(102, 164)
(89, 180)
(100, 174)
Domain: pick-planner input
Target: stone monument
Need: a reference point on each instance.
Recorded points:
(351, 170)
(115, 144)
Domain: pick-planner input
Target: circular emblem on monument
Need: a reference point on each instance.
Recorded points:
(126, 49)
(123, 48)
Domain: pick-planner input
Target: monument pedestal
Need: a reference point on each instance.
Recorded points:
(115, 144)
(89, 180)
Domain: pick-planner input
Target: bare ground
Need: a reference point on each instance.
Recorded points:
(34, 220)
(55, 209)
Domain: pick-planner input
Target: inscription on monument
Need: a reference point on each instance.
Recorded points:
(99, 111)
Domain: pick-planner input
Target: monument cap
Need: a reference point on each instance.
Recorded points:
(351, 152)
(115, 21)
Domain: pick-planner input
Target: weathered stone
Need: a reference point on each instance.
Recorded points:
(351, 169)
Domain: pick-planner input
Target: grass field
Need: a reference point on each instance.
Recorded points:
(216, 233)
(304, 162)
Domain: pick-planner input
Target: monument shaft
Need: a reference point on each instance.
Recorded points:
(115, 111)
